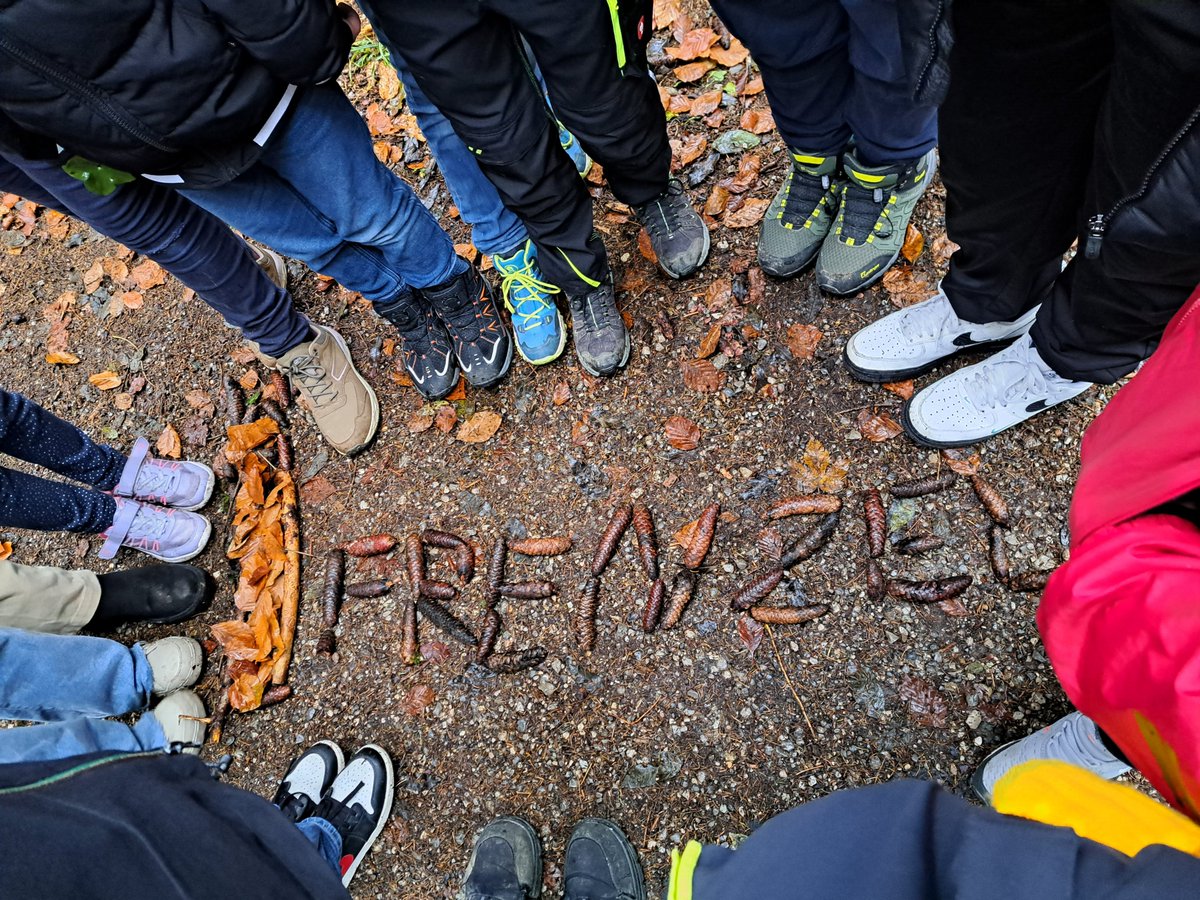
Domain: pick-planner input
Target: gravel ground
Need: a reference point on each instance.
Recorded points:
(674, 735)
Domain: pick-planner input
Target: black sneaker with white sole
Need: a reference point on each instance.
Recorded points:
(481, 342)
(677, 233)
(425, 347)
(506, 862)
(308, 778)
(601, 339)
(601, 864)
(357, 804)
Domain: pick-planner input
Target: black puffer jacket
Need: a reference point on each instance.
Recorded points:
(159, 86)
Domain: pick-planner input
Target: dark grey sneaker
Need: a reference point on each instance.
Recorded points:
(601, 864)
(601, 339)
(425, 346)
(506, 863)
(677, 233)
(800, 215)
(481, 342)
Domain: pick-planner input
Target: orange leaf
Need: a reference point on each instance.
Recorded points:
(961, 462)
(123, 400)
(817, 471)
(877, 427)
(645, 247)
(757, 121)
(420, 421)
(685, 535)
(682, 433)
(243, 438)
(689, 149)
(105, 381)
(694, 44)
(115, 269)
(914, 243)
(943, 248)
(198, 399)
(902, 389)
(905, 288)
(132, 300)
(479, 428)
(418, 699)
(716, 202)
(445, 418)
(754, 86)
(459, 392)
(802, 340)
(665, 12)
(701, 375)
(5, 549)
(706, 102)
(62, 358)
(719, 293)
(693, 71)
(562, 393)
(249, 380)
(677, 104)
(735, 55)
(750, 213)
(168, 443)
(389, 82)
(147, 274)
(708, 346)
(379, 121)
(93, 276)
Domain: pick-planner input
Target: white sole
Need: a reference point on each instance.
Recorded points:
(341, 342)
(208, 491)
(383, 815)
(186, 556)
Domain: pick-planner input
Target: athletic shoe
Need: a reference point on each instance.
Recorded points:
(357, 804)
(179, 714)
(506, 862)
(601, 339)
(979, 401)
(1072, 739)
(171, 535)
(601, 864)
(876, 204)
(174, 663)
(536, 322)
(308, 779)
(425, 347)
(158, 594)
(677, 233)
(481, 343)
(800, 215)
(911, 341)
(342, 404)
(583, 162)
(183, 485)
(270, 262)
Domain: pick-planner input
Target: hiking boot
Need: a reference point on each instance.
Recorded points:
(1072, 739)
(979, 401)
(481, 343)
(583, 162)
(270, 262)
(341, 401)
(506, 862)
(158, 594)
(308, 779)
(536, 322)
(800, 215)
(174, 663)
(677, 233)
(183, 485)
(876, 204)
(601, 864)
(425, 348)
(601, 339)
(357, 804)
(179, 714)
(171, 535)
(911, 341)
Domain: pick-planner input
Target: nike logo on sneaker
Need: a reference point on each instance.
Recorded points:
(1037, 406)
(965, 340)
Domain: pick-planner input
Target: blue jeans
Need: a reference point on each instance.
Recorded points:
(318, 194)
(325, 839)
(71, 682)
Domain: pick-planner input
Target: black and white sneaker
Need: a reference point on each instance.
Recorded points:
(677, 233)
(357, 804)
(425, 348)
(913, 340)
(601, 864)
(481, 342)
(308, 778)
(506, 862)
(601, 338)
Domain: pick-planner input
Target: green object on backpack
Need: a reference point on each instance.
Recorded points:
(100, 180)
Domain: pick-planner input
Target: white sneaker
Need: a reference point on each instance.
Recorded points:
(915, 339)
(179, 714)
(979, 401)
(174, 663)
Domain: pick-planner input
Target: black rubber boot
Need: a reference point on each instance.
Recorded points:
(159, 594)
(506, 863)
(601, 864)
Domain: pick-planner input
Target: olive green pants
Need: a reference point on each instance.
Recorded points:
(44, 598)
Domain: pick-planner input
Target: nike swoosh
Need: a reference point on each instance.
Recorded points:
(445, 365)
(1037, 406)
(965, 340)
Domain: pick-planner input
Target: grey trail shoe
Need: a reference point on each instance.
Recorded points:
(506, 862)
(800, 215)
(179, 715)
(175, 663)
(601, 864)
(677, 233)
(601, 339)
(867, 235)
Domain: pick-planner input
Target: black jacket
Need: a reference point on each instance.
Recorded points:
(158, 86)
(925, 41)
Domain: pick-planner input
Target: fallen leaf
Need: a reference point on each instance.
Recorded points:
(420, 421)
(954, 607)
(961, 462)
(93, 276)
(459, 392)
(735, 55)
(902, 389)
(379, 122)
(694, 44)
(645, 247)
(877, 427)
(383, 151)
(914, 243)
(115, 269)
(418, 699)
(389, 82)
(677, 104)
(147, 274)
(943, 248)
(562, 393)
(434, 652)
(693, 71)
(445, 418)
(816, 470)
(168, 444)
(58, 226)
(242, 355)
(906, 288)
(249, 380)
(716, 202)
(684, 536)
(802, 340)
(198, 399)
(701, 375)
(708, 345)
(194, 431)
(479, 428)
(5, 549)
(689, 149)
(757, 121)
(665, 12)
(62, 358)
(123, 400)
(750, 213)
(706, 103)
(753, 86)
(243, 438)
(131, 300)
(756, 286)
(750, 633)
(136, 383)
(749, 167)
(682, 433)
(105, 381)
(926, 705)
(316, 489)
(719, 294)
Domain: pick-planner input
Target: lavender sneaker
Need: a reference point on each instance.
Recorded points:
(171, 535)
(182, 485)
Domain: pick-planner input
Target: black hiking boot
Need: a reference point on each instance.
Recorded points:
(601, 864)
(677, 233)
(506, 863)
(158, 594)
(425, 348)
(601, 339)
(358, 803)
(481, 342)
(308, 779)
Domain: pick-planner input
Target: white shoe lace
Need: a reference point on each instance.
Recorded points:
(1010, 373)
(148, 528)
(155, 479)
(925, 321)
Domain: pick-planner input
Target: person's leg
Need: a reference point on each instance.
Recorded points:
(59, 740)
(325, 838)
(35, 435)
(47, 599)
(27, 501)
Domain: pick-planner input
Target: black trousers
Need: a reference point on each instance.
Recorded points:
(1059, 111)
(466, 56)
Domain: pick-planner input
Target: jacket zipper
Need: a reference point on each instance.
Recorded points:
(1098, 223)
(78, 86)
(941, 12)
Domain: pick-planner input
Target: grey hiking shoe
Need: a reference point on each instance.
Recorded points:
(677, 233)
(800, 215)
(341, 401)
(601, 339)
(270, 262)
(876, 204)
(174, 662)
(601, 864)
(506, 862)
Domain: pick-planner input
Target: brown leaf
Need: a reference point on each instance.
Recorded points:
(665, 13)
(242, 355)
(906, 288)
(249, 380)
(701, 375)
(123, 400)
(902, 389)
(749, 167)
(877, 427)
(817, 471)
(694, 44)
(199, 400)
(105, 381)
(708, 346)
(93, 276)
(682, 433)
(750, 213)
(684, 536)
(645, 247)
(115, 269)
(479, 428)
(168, 444)
(689, 149)
(5, 549)
(459, 392)
(194, 431)
(719, 293)
(379, 121)
(434, 652)
(562, 393)
(754, 86)
(914, 243)
(420, 421)
(756, 290)
(243, 438)
(147, 274)
(706, 103)
(802, 340)
(954, 607)
(750, 633)
(693, 71)
(757, 121)
(735, 55)
(62, 358)
(961, 462)
(943, 248)
(445, 418)
(58, 226)
(716, 202)
(418, 699)
(925, 703)
(131, 300)
(316, 489)
(389, 82)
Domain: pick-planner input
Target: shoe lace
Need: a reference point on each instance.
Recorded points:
(532, 294)
(665, 213)
(925, 321)
(802, 195)
(1007, 374)
(865, 212)
(313, 380)
(149, 527)
(155, 478)
(598, 308)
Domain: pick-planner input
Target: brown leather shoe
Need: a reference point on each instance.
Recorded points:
(341, 401)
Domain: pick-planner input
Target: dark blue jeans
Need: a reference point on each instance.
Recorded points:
(34, 435)
(191, 244)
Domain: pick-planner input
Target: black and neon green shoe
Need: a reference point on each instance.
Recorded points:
(873, 215)
(800, 215)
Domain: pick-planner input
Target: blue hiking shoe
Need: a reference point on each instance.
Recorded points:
(583, 162)
(536, 321)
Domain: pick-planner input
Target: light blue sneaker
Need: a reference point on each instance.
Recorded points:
(536, 321)
(583, 162)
